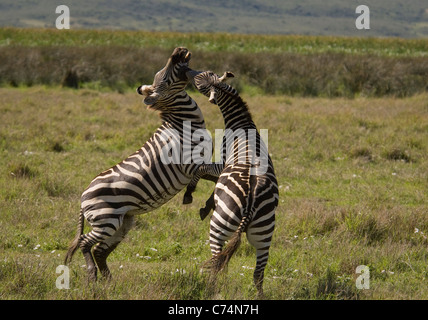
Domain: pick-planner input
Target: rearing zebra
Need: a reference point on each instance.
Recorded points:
(144, 181)
(246, 194)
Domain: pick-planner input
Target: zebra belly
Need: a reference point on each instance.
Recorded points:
(141, 183)
(118, 193)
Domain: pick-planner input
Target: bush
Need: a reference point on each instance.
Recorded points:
(318, 74)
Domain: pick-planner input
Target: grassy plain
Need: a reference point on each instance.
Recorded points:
(217, 42)
(353, 176)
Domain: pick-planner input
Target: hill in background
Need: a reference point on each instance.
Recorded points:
(396, 18)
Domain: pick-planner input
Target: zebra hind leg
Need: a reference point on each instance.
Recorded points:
(258, 276)
(104, 227)
(86, 243)
(103, 249)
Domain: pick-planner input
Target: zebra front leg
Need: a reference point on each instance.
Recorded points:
(103, 249)
(188, 198)
(209, 172)
(209, 205)
(191, 187)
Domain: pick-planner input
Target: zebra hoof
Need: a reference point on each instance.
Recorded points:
(187, 199)
(92, 274)
(203, 212)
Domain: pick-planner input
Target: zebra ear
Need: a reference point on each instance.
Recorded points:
(213, 96)
(226, 75)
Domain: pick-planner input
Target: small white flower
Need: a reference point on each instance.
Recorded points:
(53, 251)
(394, 173)
(153, 249)
(36, 247)
(416, 230)
(19, 245)
(121, 266)
(180, 271)
(137, 255)
(147, 257)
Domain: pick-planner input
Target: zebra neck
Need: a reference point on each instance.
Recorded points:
(235, 113)
(180, 112)
(233, 107)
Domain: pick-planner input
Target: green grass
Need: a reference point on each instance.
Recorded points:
(352, 176)
(215, 42)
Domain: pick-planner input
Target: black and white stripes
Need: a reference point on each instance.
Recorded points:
(143, 181)
(246, 193)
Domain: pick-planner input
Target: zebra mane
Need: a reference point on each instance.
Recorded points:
(233, 94)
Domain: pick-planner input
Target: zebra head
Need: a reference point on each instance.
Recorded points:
(168, 81)
(209, 83)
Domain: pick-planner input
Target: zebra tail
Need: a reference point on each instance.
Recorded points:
(76, 241)
(219, 262)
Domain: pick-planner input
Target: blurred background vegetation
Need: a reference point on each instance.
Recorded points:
(291, 65)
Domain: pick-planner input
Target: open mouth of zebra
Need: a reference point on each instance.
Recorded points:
(187, 57)
(152, 93)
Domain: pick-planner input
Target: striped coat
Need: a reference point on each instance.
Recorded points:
(246, 193)
(147, 178)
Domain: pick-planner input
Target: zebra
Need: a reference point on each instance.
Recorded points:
(245, 196)
(210, 171)
(143, 181)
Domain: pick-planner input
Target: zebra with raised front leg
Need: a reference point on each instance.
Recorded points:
(246, 193)
(145, 180)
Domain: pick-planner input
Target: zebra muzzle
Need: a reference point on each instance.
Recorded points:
(145, 90)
